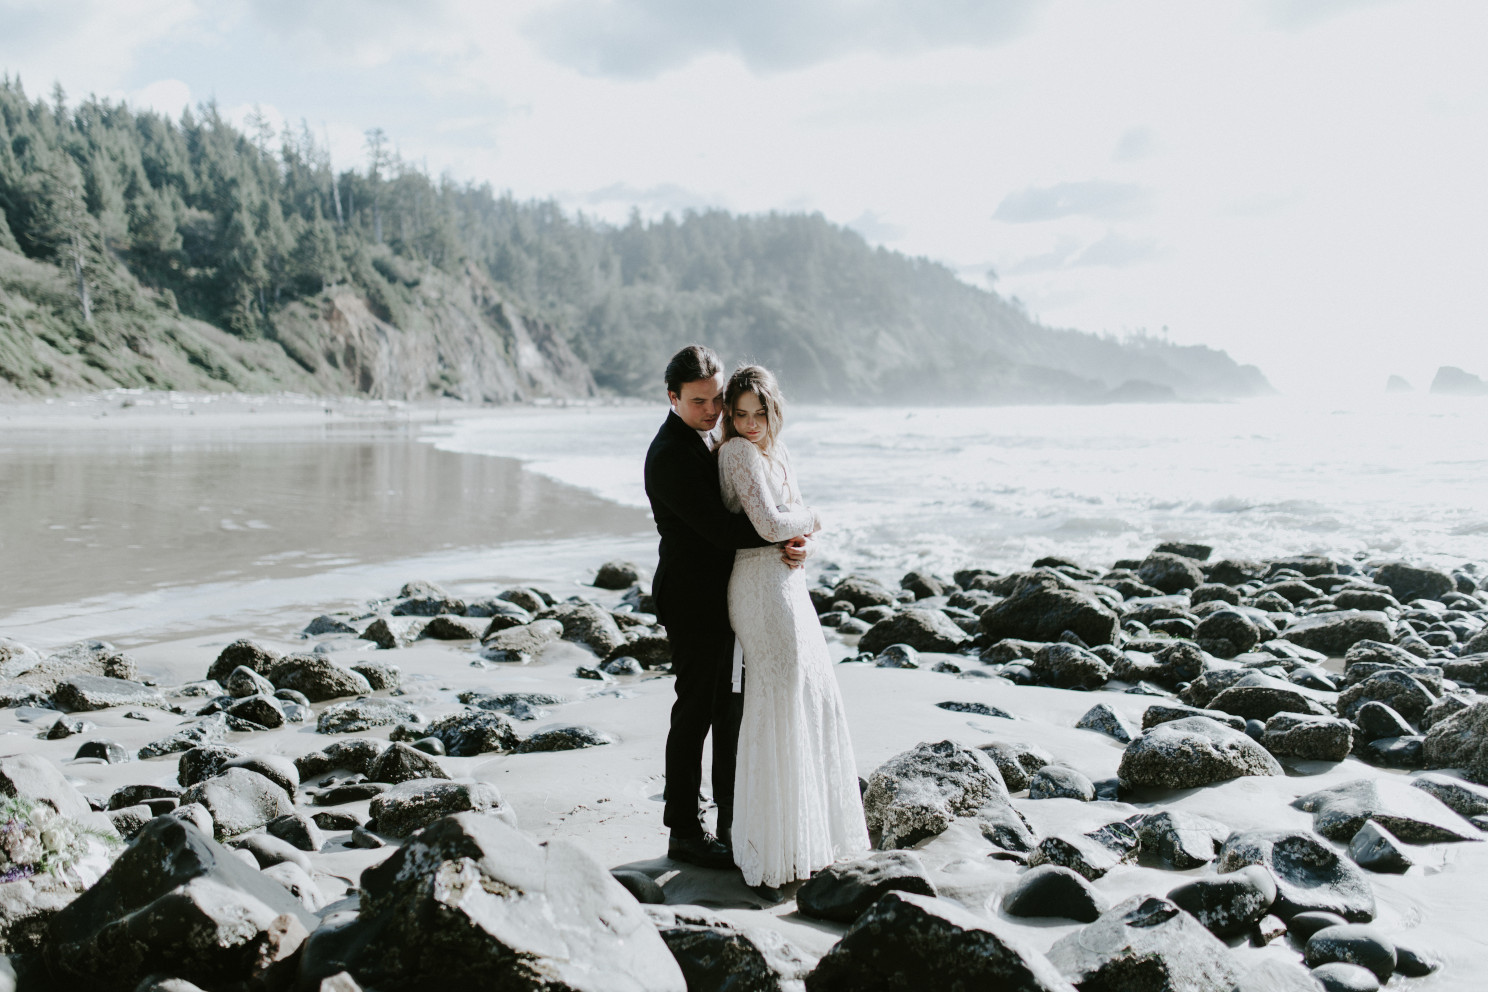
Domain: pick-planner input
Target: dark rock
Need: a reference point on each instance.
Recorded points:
(1309, 874)
(978, 709)
(506, 618)
(623, 665)
(301, 885)
(472, 903)
(1231, 627)
(1060, 782)
(923, 630)
(1198, 552)
(563, 739)
(429, 606)
(1277, 975)
(336, 819)
(1460, 741)
(246, 653)
(1081, 853)
(518, 705)
(1395, 752)
(617, 575)
(473, 732)
(401, 763)
(1304, 925)
(1147, 943)
(1159, 713)
(175, 896)
(239, 801)
(1376, 720)
(640, 885)
(269, 850)
(531, 600)
(1066, 666)
(1010, 649)
(415, 804)
(1334, 633)
(1202, 690)
(298, 830)
(1211, 592)
(595, 674)
(1184, 754)
(1411, 814)
(1339, 976)
(1410, 582)
(917, 793)
(1294, 591)
(130, 820)
(358, 715)
(430, 745)
(1352, 944)
(715, 954)
(1006, 829)
(1308, 736)
(1104, 720)
(842, 891)
(110, 752)
(365, 839)
(907, 942)
(244, 681)
(873, 614)
(317, 677)
(1016, 761)
(897, 656)
(1228, 905)
(382, 676)
(1260, 697)
(1414, 964)
(862, 592)
(1375, 849)
(351, 792)
(1460, 796)
(1401, 692)
(83, 693)
(1364, 599)
(390, 633)
(852, 627)
(207, 731)
(529, 639)
(446, 627)
(1040, 607)
(1170, 573)
(924, 585)
(197, 764)
(133, 795)
(589, 625)
(266, 711)
(355, 755)
(1054, 891)
(14, 694)
(1180, 840)
(328, 624)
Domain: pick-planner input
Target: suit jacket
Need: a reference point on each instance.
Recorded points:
(698, 534)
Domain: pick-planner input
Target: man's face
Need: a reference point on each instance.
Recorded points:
(700, 402)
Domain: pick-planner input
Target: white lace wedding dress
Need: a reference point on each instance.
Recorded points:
(796, 801)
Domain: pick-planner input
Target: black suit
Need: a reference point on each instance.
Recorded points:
(698, 539)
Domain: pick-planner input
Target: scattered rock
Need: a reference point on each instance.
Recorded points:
(447, 627)
(298, 882)
(1228, 905)
(1185, 754)
(563, 739)
(906, 942)
(266, 711)
(1104, 720)
(1410, 814)
(1375, 849)
(923, 630)
(382, 676)
(842, 891)
(862, 592)
(297, 829)
(1309, 874)
(1375, 720)
(1159, 713)
(1462, 797)
(1067, 666)
(83, 693)
(1054, 891)
(317, 677)
(1352, 944)
(355, 755)
(1410, 582)
(1395, 752)
(1334, 633)
(1260, 697)
(245, 653)
(390, 633)
(1170, 573)
(1080, 853)
(269, 850)
(358, 715)
(518, 705)
(1180, 840)
(1041, 607)
(472, 732)
(1016, 761)
(917, 793)
(244, 681)
(1339, 976)
(1308, 736)
(1148, 943)
(527, 640)
(1399, 690)
(898, 656)
(328, 624)
(239, 801)
(107, 751)
(1277, 975)
(1060, 782)
(978, 709)
(401, 763)
(413, 805)
(718, 955)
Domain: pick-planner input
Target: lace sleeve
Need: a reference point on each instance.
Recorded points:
(744, 471)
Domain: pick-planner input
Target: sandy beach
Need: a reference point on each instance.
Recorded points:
(331, 538)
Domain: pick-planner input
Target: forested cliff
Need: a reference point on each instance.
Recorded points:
(139, 250)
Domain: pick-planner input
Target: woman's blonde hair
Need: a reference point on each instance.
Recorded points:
(761, 382)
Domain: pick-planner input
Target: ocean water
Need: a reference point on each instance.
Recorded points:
(941, 488)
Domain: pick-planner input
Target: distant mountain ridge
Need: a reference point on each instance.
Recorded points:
(136, 250)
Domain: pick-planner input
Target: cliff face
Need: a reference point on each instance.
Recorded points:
(454, 336)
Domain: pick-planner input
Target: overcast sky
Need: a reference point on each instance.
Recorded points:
(1299, 182)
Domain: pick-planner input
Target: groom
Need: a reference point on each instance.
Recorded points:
(698, 539)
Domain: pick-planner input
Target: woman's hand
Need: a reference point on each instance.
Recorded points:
(794, 552)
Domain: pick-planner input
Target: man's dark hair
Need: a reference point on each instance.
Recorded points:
(692, 363)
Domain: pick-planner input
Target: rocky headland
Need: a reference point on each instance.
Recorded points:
(1176, 773)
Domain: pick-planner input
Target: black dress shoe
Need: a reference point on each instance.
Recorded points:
(769, 893)
(704, 851)
(726, 837)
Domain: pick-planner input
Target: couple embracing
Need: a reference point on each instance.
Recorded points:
(731, 591)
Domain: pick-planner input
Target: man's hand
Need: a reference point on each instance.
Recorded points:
(793, 552)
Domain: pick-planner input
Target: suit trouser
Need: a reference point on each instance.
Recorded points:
(702, 660)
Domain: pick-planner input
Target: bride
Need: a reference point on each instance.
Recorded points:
(796, 802)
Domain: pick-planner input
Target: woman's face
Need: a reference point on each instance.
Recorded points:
(750, 419)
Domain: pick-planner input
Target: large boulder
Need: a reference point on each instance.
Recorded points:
(1413, 815)
(1228, 905)
(245, 653)
(1410, 582)
(1147, 943)
(1334, 633)
(909, 943)
(1169, 572)
(1050, 890)
(239, 801)
(1069, 666)
(30, 776)
(589, 625)
(1399, 690)
(472, 903)
(1226, 633)
(413, 805)
(1180, 840)
(1041, 607)
(317, 677)
(842, 891)
(401, 763)
(1461, 741)
(1185, 754)
(923, 630)
(1310, 875)
(1308, 736)
(1260, 697)
(715, 954)
(471, 732)
(862, 592)
(917, 793)
(174, 896)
